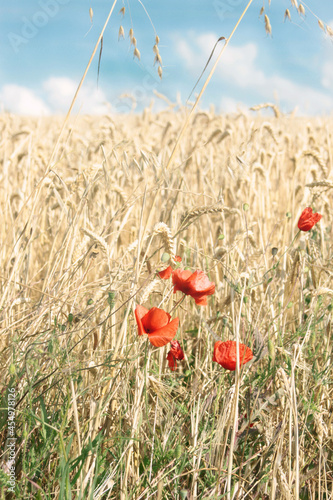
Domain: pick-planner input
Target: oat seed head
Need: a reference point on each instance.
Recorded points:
(121, 33)
(287, 15)
(158, 59)
(268, 27)
(321, 25)
(301, 10)
(136, 53)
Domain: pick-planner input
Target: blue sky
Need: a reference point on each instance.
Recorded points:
(46, 44)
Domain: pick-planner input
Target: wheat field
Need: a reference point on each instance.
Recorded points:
(98, 412)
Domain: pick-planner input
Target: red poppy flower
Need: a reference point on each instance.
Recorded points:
(196, 284)
(225, 354)
(157, 324)
(308, 219)
(176, 352)
(166, 273)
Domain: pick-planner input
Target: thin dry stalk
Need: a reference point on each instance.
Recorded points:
(187, 121)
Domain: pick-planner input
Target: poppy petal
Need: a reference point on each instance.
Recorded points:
(200, 300)
(179, 279)
(140, 312)
(172, 361)
(155, 319)
(199, 281)
(225, 354)
(308, 219)
(176, 350)
(196, 284)
(166, 273)
(164, 335)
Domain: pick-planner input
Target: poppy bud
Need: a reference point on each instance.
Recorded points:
(308, 219)
(225, 354)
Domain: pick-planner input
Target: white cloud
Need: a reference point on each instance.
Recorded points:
(240, 67)
(60, 92)
(308, 99)
(56, 96)
(327, 75)
(238, 64)
(22, 100)
(230, 105)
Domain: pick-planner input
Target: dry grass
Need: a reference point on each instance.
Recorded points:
(99, 414)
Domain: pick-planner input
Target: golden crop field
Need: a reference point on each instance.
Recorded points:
(98, 411)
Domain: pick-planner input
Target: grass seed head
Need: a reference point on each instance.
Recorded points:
(97, 239)
(158, 59)
(287, 15)
(268, 26)
(321, 25)
(148, 291)
(283, 483)
(136, 53)
(121, 33)
(169, 244)
(301, 10)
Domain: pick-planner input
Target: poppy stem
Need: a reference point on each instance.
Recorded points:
(296, 236)
(177, 304)
(286, 250)
(291, 244)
